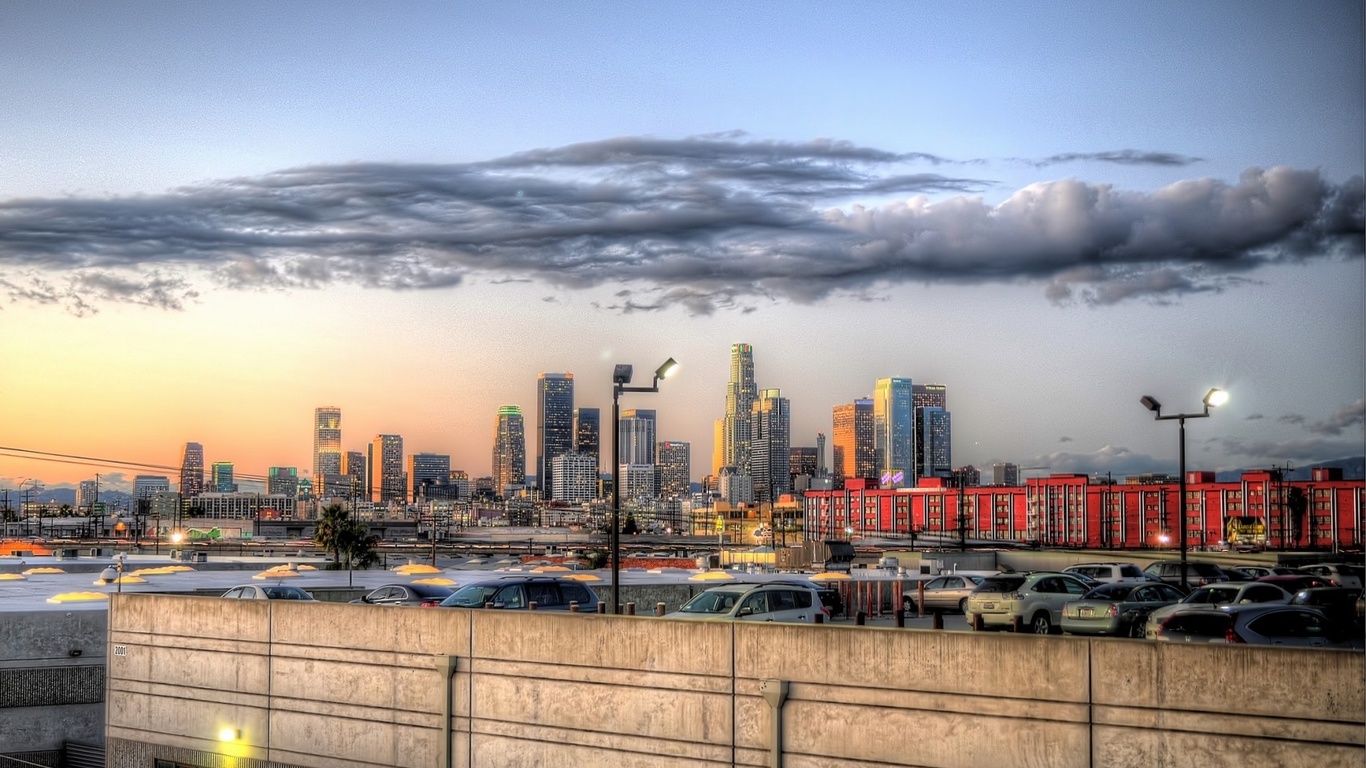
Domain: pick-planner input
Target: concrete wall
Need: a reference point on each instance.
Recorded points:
(48, 695)
(341, 685)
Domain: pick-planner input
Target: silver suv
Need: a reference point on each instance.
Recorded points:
(1108, 573)
(1034, 600)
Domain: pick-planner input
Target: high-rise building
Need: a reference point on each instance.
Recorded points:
(733, 487)
(801, 462)
(386, 452)
(740, 394)
(718, 450)
(1005, 473)
(588, 435)
(148, 486)
(192, 470)
(637, 482)
(894, 432)
(770, 442)
(509, 449)
(822, 469)
(925, 396)
(221, 477)
(429, 475)
(282, 481)
(576, 478)
(935, 431)
(675, 469)
(327, 450)
(636, 430)
(554, 424)
(853, 442)
(87, 494)
(353, 466)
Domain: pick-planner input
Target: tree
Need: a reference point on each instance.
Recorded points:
(345, 539)
(630, 528)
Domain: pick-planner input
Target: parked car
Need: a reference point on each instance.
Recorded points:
(942, 593)
(1259, 624)
(266, 592)
(1216, 596)
(753, 602)
(1035, 600)
(1293, 584)
(1338, 603)
(1258, 571)
(1239, 573)
(1108, 573)
(830, 597)
(1197, 574)
(518, 592)
(1338, 575)
(425, 595)
(1117, 610)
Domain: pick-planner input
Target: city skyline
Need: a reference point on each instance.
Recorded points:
(1050, 211)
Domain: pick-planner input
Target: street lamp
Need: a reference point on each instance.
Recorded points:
(1213, 399)
(621, 376)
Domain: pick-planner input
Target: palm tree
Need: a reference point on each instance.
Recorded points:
(329, 530)
(345, 538)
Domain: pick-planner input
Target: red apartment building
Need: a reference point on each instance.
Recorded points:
(1067, 510)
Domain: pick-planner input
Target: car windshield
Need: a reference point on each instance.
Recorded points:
(286, 593)
(710, 602)
(1217, 595)
(472, 596)
(1109, 592)
(1001, 584)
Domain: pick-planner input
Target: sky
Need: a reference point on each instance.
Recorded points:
(216, 217)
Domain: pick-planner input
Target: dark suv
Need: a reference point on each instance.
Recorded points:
(518, 592)
(1197, 574)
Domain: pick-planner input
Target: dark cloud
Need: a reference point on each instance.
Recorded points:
(1064, 439)
(1291, 418)
(1351, 415)
(1305, 449)
(1117, 460)
(1119, 157)
(1255, 417)
(705, 223)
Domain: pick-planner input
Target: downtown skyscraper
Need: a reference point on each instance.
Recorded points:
(192, 470)
(894, 432)
(509, 449)
(588, 435)
(554, 425)
(853, 442)
(770, 446)
(327, 450)
(929, 455)
(386, 460)
(740, 394)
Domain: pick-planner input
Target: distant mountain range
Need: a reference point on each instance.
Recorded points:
(1353, 468)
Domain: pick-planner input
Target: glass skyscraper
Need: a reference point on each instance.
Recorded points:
(853, 442)
(386, 461)
(588, 436)
(192, 470)
(770, 444)
(927, 396)
(934, 438)
(894, 432)
(327, 451)
(740, 394)
(554, 425)
(509, 449)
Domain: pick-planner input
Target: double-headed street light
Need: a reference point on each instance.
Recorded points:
(621, 376)
(1213, 399)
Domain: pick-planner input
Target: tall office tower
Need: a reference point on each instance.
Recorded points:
(353, 466)
(554, 424)
(509, 449)
(740, 394)
(636, 430)
(429, 475)
(148, 486)
(801, 461)
(220, 477)
(576, 478)
(733, 487)
(675, 469)
(718, 447)
(637, 482)
(86, 494)
(588, 435)
(935, 435)
(1005, 473)
(822, 469)
(327, 450)
(894, 432)
(283, 481)
(386, 462)
(192, 470)
(925, 396)
(770, 441)
(460, 482)
(853, 442)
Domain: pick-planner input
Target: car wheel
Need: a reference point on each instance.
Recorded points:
(907, 605)
(1136, 630)
(1041, 625)
(963, 606)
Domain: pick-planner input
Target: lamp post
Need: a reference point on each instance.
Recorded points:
(1214, 398)
(621, 376)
